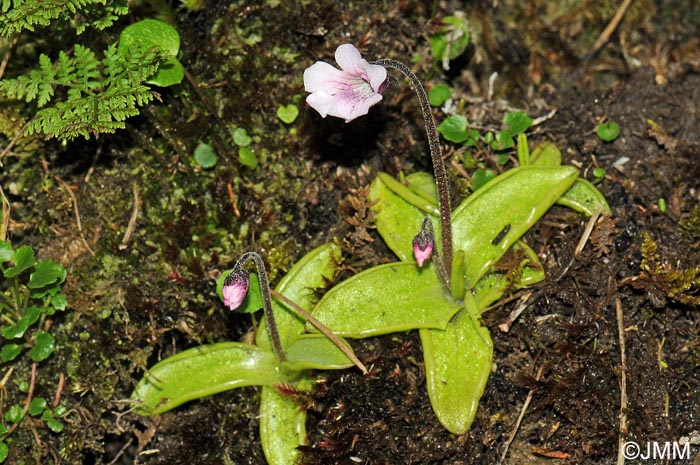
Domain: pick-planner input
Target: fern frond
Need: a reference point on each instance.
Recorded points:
(19, 15)
(100, 95)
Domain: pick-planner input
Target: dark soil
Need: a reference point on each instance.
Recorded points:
(136, 304)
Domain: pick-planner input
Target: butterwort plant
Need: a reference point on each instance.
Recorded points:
(282, 360)
(447, 272)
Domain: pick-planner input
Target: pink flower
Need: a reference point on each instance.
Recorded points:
(235, 289)
(423, 243)
(348, 93)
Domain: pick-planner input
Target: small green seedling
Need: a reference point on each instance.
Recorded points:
(205, 156)
(245, 154)
(287, 113)
(608, 132)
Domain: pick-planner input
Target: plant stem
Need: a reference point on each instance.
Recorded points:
(267, 302)
(443, 188)
(323, 328)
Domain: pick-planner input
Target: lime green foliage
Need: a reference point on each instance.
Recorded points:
(18, 15)
(288, 114)
(98, 94)
(488, 224)
(608, 132)
(214, 368)
(91, 96)
(31, 293)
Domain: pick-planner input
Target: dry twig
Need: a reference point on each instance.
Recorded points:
(134, 216)
(623, 384)
(609, 29)
(77, 213)
(520, 417)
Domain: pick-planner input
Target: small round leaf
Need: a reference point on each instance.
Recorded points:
(608, 132)
(205, 156)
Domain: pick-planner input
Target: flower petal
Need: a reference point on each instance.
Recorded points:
(375, 74)
(321, 76)
(348, 57)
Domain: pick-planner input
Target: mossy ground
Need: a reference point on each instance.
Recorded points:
(138, 299)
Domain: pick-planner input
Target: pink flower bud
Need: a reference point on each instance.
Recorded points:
(422, 252)
(235, 288)
(423, 243)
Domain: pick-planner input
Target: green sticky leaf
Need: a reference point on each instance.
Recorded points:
(5, 252)
(315, 352)
(247, 157)
(46, 273)
(205, 156)
(495, 283)
(203, 371)
(377, 301)
(546, 154)
(457, 366)
(14, 414)
(241, 137)
(23, 259)
(313, 272)
(36, 406)
(10, 351)
(282, 424)
(505, 208)
(4, 451)
(44, 346)
(454, 128)
(287, 113)
(399, 213)
(585, 198)
(608, 132)
(439, 94)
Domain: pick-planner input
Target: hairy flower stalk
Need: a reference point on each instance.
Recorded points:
(350, 91)
(236, 287)
(443, 189)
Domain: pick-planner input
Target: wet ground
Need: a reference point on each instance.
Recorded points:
(137, 300)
